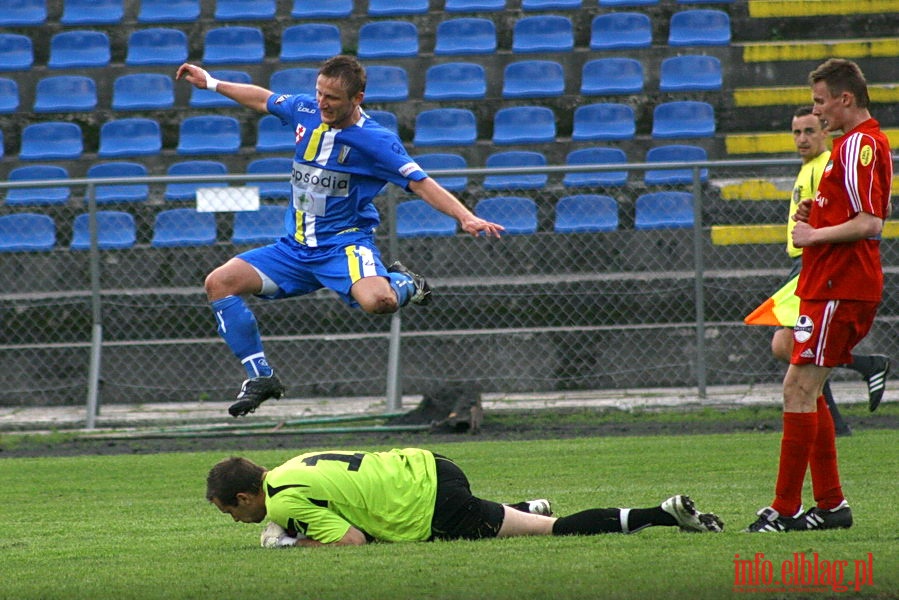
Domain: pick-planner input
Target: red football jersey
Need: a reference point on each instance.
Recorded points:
(857, 179)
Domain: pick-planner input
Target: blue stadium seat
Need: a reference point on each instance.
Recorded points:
(620, 30)
(310, 42)
(244, 10)
(130, 137)
(262, 226)
(65, 93)
(316, 9)
(663, 210)
(92, 12)
(9, 95)
(78, 49)
(273, 136)
(52, 140)
(445, 127)
(690, 73)
(188, 191)
(455, 81)
(178, 227)
(543, 33)
(620, 3)
(699, 27)
(524, 125)
(168, 11)
(444, 160)
(517, 214)
(466, 35)
(387, 39)
(115, 230)
(119, 192)
(595, 156)
(385, 118)
(604, 121)
(392, 8)
(27, 232)
(515, 158)
(683, 119)
(143, 91)
(474, 5)
(613, 75)
(156, 46)
(674, 153)
(533, 79)
(233, 45)
(585, 213)
(299, 80)
(16, 52)
(417, 218)
(532, 5)
(23, 13)
(209, 99)
(272, 189)
(209, 134)
(42, 196)
(386, 83)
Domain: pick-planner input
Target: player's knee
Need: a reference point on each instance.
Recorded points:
(380, 304)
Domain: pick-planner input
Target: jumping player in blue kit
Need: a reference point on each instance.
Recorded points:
(343, 159)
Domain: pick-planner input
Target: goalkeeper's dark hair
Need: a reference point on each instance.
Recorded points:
(348, 70)
(233, 476)
(841, 75)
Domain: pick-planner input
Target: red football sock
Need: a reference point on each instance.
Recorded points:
(823, 461)
(800, 431)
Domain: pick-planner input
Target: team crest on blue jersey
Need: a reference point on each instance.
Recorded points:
(344, 153)
(299, 133)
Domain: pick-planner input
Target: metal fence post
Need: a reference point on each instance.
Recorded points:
(699, 287)
(93, 383)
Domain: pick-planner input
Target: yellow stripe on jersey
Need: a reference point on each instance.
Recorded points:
(353, 263)
(315, 140)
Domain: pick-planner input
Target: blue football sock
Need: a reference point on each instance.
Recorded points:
(237, 326)
(403, 287)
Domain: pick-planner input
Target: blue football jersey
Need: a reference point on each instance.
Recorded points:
(338, 172)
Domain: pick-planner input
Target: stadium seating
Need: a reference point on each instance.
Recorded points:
(272, 189)
(209, 99)
(620, 3)
(444, 160)
(663, 210)
(603, 121)
(27, 232)
(690, 73)
(119, 192)
(65, 93)
(386, 83)
(543, 33)
(115, 230)
(79, 49)
(188, 190)
(299, 80)
(683, 119)
(130, 137)
(177, 227)
(620, 30)
(474, 5)
(699, 27)
(157, 46)
(244, 10)
(386, 119)
(515, 158)
(703, 1)
(92, 12)
(2, 149)
(233, 45)
(613, 75)
(467, 35)
(37, 196)
(9, 95)
(595, 156)
(143, 91)
(585, 213)
(550, 4)
(262, 226)
(517, 214)
(209, 134)
(533, 79)
(168, 11)
(455, 81)
(674, 153)
(445, 127)
(524, 125)
(392, 8)
(417, 218)
(274, 136)
(16, 52)
(51, 140)
(310, 42)
(387, 39)
(23, 13)
(316, 9)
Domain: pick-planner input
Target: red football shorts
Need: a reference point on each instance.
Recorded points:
(827, 331)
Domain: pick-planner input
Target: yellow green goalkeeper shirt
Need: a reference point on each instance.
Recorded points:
(387, 495)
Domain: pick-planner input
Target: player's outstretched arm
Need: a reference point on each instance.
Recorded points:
(441, 199)
(249, 95)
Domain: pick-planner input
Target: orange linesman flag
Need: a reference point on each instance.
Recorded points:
(781, 309)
